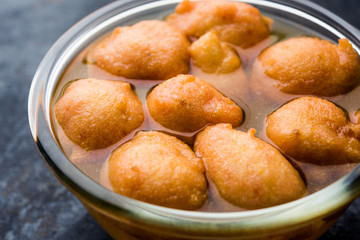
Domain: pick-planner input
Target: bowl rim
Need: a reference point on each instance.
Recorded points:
(333, 197)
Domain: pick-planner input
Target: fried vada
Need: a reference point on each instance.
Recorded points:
(186, 103)
(97, 113)
(247, 171)
(159, 169)
(314, 130)
(214, 56)
(237, 23)
(306, 66)
(147, 50)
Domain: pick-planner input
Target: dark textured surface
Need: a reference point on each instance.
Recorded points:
(33, 204)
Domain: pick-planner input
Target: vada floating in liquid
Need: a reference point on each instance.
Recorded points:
(97, 113)
(147, 50)
(186, 103)
(314, 130)
(235, 22)
(159, 169)
(306, 65)
(247, 171)
(214, 56)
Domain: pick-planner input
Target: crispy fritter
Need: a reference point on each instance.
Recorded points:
(186, 103)
(237, 23)
(214, 56)
(147, 50)
(247, 171)
(307, 65)
(159, 169)
(314, 130)
(97, 113)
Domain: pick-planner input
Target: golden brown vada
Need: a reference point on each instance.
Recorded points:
(314, 130)
(97, 113)
(186, 103)
(237, 23)
(307, 65)
(214, 56)
(159, 169)
(147, 50)
(247, 171)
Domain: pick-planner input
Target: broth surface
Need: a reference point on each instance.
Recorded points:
(235, 86)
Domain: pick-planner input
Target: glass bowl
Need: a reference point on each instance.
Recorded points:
(125, 218)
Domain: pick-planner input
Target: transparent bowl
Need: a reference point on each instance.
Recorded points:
(125, 218)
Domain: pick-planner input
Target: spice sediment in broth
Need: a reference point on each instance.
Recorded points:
(235, 86)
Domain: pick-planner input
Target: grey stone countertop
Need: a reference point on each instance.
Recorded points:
(33, 203)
